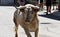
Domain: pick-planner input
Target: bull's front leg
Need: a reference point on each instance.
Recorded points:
(36, 33)
(27, 32)
(16, 27)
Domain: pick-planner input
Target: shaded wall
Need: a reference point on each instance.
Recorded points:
(6, 2)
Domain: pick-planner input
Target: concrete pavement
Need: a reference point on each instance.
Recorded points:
(47, 27)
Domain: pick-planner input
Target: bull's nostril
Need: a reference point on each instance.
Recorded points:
(27, 20)
(28, 17)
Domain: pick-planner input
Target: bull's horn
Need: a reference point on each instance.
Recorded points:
(21, 7)
(36, 7)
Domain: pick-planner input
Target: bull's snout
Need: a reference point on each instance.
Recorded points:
(27, 16)
(27, 19)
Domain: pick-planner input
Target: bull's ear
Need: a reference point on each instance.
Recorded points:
(36, 9)
(21, 8)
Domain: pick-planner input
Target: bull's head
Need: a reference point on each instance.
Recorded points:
(29, 12)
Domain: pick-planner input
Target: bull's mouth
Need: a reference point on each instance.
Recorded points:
(27, 20)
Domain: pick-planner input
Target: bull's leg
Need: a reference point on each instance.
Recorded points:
(16, 27)
(27, 32)
(36, 33)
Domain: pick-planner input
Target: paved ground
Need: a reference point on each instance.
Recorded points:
(48, 27)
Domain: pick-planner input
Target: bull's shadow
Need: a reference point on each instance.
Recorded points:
(52, 15)
(44, 35)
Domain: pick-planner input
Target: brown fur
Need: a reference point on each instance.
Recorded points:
(31, 26)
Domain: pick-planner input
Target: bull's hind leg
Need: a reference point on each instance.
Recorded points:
(36, 33)
(16, 27)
